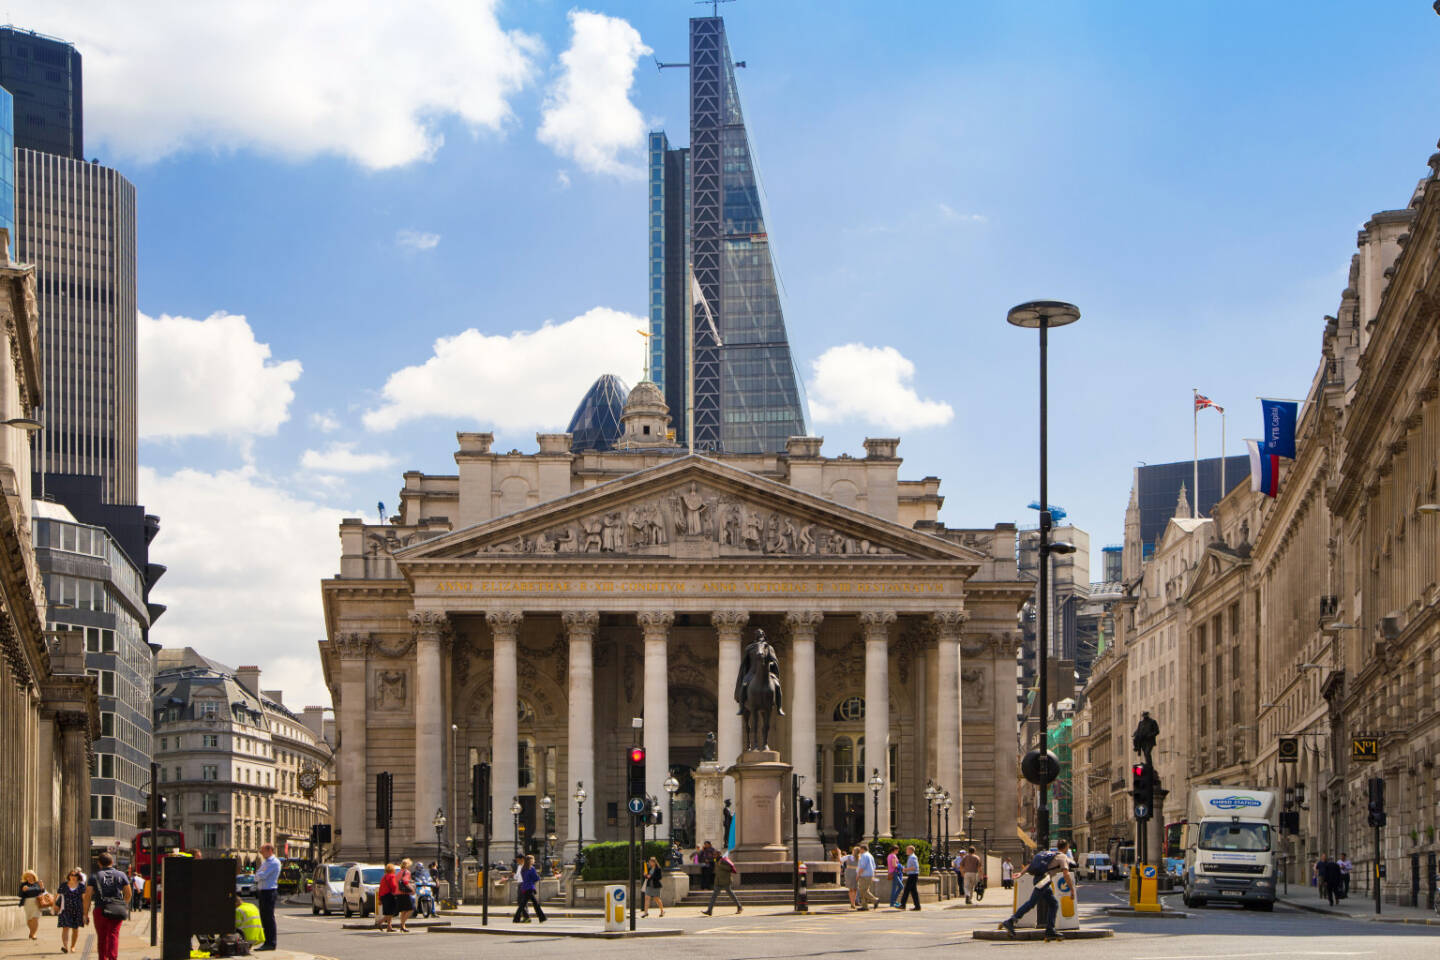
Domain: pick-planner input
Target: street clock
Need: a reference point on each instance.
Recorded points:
(309, 779)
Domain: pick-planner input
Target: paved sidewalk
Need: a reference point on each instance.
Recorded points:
(1362, 908)
(134, 943)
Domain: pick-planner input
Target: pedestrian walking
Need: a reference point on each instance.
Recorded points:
(970, 873)
(529, 883)
(267, 891)
(1045, 868)
(386, 894)
(404, 893)
(1317, 875)
(725, 873)
(107, 890)
(892, 870)
(137, 883)
(31, 890)
(849, 867)
(1333, 880)
(1007, 873)
(706, 856)
(654, 888)
(865, 878)
(70, 906)
(912, 878)
(1345, 867)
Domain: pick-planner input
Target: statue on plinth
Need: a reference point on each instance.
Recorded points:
(757, 691)
(1146, 732)
(710, 749)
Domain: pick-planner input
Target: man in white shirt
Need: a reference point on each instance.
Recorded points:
(865, 873)
(267, 891)
(1056, 865)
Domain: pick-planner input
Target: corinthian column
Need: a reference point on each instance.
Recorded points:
(728, 624)
(947, 720)
(504, 723)
(802, 624)
(580, 626)
(75, 797)
(432, 631)
(876, 625)
(656, 626)
(354, 841)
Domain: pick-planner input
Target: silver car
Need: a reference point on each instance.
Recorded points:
(327, 888)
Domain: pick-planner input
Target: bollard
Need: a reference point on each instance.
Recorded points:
(803, 905)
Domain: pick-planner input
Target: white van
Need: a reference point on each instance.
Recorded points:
(1096, 866)
(361, 882)
(327, 887)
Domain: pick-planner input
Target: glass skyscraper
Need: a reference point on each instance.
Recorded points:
(704, 209)
(7, 165)
(44, 76)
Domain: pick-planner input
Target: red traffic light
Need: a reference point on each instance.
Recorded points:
(1138, 770)
(637, 754)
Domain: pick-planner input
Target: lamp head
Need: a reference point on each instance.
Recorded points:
(546, 802)
(1054, 313)
(1062, 547)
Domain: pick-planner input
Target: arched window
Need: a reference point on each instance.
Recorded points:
(844, 760)
(860, 760)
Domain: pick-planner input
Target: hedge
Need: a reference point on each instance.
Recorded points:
(606, 861)
(898, 844)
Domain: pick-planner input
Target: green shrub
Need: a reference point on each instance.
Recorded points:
(898, 844)
(605, 862)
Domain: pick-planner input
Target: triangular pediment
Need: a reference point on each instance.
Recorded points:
(693, 508)
(1214, 565)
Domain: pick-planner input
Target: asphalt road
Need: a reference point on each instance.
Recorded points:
(1221, 933)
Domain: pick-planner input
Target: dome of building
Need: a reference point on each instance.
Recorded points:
(646, 420)
(596, 424)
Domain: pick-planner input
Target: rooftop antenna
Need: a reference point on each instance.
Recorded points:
(647, 337)
(715, 5)
(714, 12)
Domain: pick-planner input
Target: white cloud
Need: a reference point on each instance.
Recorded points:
(950, 213)
(209, 378)
(417, 239)
(369, 80)
(531, 379)
(871, 385)
(342, 458)
(588, 116)
(562, 179)
(324, 422)
(245, 559)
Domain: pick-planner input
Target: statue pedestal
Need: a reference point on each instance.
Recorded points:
(710, 804)
(760, 781)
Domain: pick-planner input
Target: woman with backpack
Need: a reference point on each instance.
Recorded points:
(108, 890)
(1047, 866)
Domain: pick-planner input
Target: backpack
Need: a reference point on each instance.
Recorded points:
(1041, 864)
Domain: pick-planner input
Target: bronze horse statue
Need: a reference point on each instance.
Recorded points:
(757, 691)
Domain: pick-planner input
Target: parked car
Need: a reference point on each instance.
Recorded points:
(245, 884)
(327, 889)
(1096, 866)
(361, 882)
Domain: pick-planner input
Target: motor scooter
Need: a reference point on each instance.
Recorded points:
(424, 900)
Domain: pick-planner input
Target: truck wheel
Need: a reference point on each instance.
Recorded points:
(347, 909)
(314, 910)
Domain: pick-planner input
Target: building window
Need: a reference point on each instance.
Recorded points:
(164, 743)
(850, 710)
(107, 724)
(526, 771)
(844, 760)
(210, 740)
(206, 711)
(209, 771)
(177, 774)
(163, 777)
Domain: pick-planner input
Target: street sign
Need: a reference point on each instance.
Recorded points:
(1365, 749)
(1288, 750)
(637, 805)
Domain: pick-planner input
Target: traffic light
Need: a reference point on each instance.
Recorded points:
(1377, 801)
(1144, 791)
(480, 792)
(807, 810)
(384, 799)
(636, 772)
(320, 834)
(163, 816)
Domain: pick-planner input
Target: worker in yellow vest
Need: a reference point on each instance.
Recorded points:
(247, 920)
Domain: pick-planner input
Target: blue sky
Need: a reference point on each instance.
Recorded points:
(1190, 174)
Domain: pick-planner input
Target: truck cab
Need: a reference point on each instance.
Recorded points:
(1230, 847)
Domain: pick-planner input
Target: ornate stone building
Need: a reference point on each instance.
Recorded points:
(48, 706)
(525, 609)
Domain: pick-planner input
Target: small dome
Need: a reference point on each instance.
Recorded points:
(596, 424)
(646, 398)
(646, 420)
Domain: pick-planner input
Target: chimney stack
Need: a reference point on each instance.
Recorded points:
(249, 675)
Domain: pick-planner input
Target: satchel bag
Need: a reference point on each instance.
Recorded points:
(113, 909)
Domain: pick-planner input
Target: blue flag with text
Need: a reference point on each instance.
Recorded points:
(1279, 418)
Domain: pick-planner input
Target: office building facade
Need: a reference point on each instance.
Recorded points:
(1157, 487)
(44, 76)
(705, 210)
(76, 223)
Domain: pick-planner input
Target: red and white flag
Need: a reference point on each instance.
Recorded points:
(1202, 401)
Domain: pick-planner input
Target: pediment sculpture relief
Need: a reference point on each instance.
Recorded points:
(694, 513)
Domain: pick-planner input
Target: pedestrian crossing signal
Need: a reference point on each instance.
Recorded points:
(807, 810)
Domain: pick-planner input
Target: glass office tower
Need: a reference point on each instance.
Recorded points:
(7, 166)
(44, 75)
(704, 208)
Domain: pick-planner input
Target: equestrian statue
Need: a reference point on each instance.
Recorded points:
(757, 691)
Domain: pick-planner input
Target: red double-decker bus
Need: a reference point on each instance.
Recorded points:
(167, 843)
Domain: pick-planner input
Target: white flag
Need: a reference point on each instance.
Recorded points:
(699, 299)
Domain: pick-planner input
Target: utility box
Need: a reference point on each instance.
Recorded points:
(199, 900)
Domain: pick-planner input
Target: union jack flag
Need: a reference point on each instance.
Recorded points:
(1202, 401)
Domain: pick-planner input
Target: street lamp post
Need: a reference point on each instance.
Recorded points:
(932, 793)
(439, 824)
(1042, 315)
(945, 806)
(545, 803)
(580, 797)
(970, 820)
(671, 785)
(876, 785)
(515, 814)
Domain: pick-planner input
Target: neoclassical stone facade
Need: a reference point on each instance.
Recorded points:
(526, 609)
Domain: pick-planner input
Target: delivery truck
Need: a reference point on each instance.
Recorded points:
(1231, 847)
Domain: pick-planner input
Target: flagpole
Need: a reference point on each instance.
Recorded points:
(1223, 491)
(1195, 418)
(689, 358)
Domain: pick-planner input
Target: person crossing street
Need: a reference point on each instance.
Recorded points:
(1044, 869)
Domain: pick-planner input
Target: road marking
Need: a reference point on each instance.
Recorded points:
(1271, 953)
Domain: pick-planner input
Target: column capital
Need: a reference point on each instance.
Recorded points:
(655, 623)
(876, 623)
(430, 625)
(352, 645)
(580, 624)
(504, 623)
(729, 623)
(802, 623)
(948, 623)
